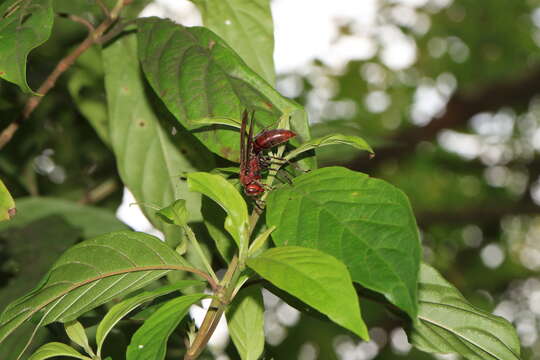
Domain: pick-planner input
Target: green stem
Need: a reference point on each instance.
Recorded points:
(198, 249)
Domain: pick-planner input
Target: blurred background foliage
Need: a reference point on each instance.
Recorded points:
(447, 92)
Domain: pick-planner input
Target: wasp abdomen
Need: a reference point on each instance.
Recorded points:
(271, 138)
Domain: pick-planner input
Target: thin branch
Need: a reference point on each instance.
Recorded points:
(103, 8)
(89, 26)
(60, 68)
(100, 192)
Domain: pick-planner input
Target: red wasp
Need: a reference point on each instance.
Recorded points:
(252, 159)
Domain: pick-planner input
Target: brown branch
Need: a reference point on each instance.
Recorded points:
(100, 192)
(64, 64)
(484, 215)
(89, 26)
(459, 109)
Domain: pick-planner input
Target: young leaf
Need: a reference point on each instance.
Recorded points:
(447, 323)
(223, 193)
(245, 319)
(54, 349)
(197, 75)
(318, 279)
(118, 311)
(24, 25)
(335, 139)
(90, 274)
(260, 240)
(149, 160)
(246, 25)
(366, 223)
(150, 340)
(176, 213)
(7, 205)
(75, 332)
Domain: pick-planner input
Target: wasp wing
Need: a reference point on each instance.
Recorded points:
(243, 152)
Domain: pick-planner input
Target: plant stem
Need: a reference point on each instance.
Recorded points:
(215, 311)
(197, 246)
(64, 64)
(229, 284)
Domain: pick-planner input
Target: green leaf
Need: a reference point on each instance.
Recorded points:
(366, 223)
(118, 311)
(245, 319)
(75, 332)
(90, 274)
(7, 205)
(198, 76)
(150, 340)
(260, 241)
(246, 25)
(214, 219)
(447, 323)
(54, 349)
(223, 193)
(39, 243)
(150, 160)
(24, 25)
(86, 87)
(176, 213)
(334, 139)
(83, 217)
(218, 121)
(318, 279)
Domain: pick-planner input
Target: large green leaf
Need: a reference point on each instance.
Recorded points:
(364, 222)
(24, 25)
(198, 76)
(150, 160)
(223, 193)
(83, 217)
(118, 311)
(246, 25)
(90, 274)
(447, 323)
(39, 243)
(150, 340)
(245, 319)
(7, 205)
(86, 87)
(318, 279)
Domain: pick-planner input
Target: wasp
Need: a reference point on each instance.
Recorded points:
(253, 161)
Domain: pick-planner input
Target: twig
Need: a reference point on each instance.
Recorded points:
(60, 68)
(117, 29)
(80, 20)
(100, 192)
(103, 8)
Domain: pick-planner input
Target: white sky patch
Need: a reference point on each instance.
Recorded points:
(467, 146)
(301, 39)
(181, 11)
(131, 214)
